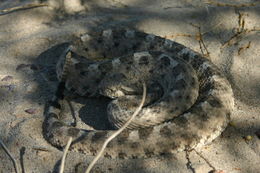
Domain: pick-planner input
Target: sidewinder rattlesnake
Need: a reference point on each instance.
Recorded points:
(188, 102)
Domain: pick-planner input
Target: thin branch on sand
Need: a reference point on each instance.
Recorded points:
(64, 155)
(23, 7)
(116, 133)
(10, 155)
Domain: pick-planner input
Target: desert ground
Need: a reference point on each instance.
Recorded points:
(32, 38)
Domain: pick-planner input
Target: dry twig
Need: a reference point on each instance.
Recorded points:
(116, 133)
(210, 165)
(24, 7)
(10, 155)
(244, 47)
(240, 31)
(64, 155)
(199, 37)
(220, 4)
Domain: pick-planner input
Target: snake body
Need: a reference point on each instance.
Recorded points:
(188, 103)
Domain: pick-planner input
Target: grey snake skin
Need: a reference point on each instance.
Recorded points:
(188, 103)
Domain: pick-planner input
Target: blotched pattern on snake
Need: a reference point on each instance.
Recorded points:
(188, 103)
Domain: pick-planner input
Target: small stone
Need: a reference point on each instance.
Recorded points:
(30, 111)
(248, 138)
(85, 38)
(7, 78)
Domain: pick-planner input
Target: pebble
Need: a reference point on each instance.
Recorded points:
(30, 111)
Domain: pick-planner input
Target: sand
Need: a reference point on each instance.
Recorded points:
(31, 40)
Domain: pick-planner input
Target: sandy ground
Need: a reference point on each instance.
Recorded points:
(32, 39)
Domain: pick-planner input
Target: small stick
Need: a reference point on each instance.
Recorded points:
(10, 155)
(24, 7)
(210, 165)
(230, 5)
(199, 37)
(189, 164)
(64, 155)
(116, 133)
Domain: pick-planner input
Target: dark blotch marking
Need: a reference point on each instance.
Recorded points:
(98, 135)
(179, 97)
(144, 60)
(135, 46)
(86, 88)
(208, 86)
(107, 156)
(86, 49)
(122, 155)
(202, 115)
(139, 34)
(104, 67)
(182, 121)
(151, 46)
(180, 84)
(187, 98)
(148, 121)
(72, 90)
(84, 73)
(122, 138)
(162, 76)
(165, 131)
(177, 47)
(104, 55)
(156, 111)
(197, 63)
(93, 151)
(80, 66)
(97, 81)
(228, 115)
(116, 44)
(148, 152)
(73, 132)
(57, 124)
(165, 61)
(118, 76)
(214, 102)
(186, 57)
(134, 145)
(193, 82)
(172, 111)
(127, 67)
(177, 70)
(99, 40)
(134, 157)
(189, 138)
(211, 71)
(126, 60)
(196, 56)
(174, 146)
(159, 41)
(145, 132)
